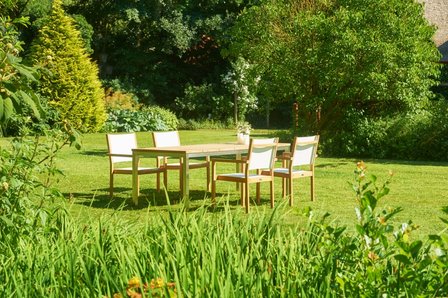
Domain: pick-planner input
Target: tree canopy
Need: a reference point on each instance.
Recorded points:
(333, 56)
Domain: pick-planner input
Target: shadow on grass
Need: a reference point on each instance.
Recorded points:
(94, 152)
(162, 201)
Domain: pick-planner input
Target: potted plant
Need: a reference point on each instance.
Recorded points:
(243, 132)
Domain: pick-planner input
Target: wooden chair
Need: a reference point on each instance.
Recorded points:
(261, 157)
(171, 139)
(120, 151)
(303, 154)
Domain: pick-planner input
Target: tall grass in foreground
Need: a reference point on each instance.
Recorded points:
(196, 255)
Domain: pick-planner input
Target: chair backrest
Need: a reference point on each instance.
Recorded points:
(122, 143)
(304, 150)
(262, 153)
(166, 138)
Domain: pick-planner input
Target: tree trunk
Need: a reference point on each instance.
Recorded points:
(235, 110)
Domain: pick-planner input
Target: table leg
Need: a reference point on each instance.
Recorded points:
(238, 169)
(135, 184)
(185, 180)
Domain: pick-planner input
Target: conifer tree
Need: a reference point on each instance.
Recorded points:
(71, 83)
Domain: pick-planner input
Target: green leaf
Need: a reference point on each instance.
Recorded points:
(30, 102)
(27, 71)
(402, 259)
(415, 248)
(2, 100)
(8, 108)
(434, 237)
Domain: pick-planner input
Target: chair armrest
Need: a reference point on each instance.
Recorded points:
(119, 155)
(228, 160)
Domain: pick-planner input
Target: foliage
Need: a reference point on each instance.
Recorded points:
(86, 32)
(151, 118)
(243, 127)
(116, 100)
(424, 131)
(27, 173)
(203, 101)
(191, 124)
(159, 46)
(331, 56)
(241, 84)
(72, 83)
(16, 94)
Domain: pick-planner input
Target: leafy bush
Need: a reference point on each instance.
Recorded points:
(203, 101)
(27, 170)
(422, 135)
(115, 100)
(147, 119)
(16, 94)
(204, 124)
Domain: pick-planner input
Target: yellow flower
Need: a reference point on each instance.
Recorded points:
(361, 165)
(134, 282)
(157, 283)
(373, 256)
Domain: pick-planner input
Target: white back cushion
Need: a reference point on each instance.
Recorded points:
(121, 144)
(166, 138)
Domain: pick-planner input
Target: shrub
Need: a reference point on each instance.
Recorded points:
(116, 100)
(204, 124)
(421, 135)
(27, 170)
(71, 84)
(146, 119)
(203, 101)
(16, 94)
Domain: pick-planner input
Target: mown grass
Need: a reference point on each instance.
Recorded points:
(104, 246)
(421, 188)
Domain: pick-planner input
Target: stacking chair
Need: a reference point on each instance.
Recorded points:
(257, 167)
(298, 163)
(120, 151)
(171, 139)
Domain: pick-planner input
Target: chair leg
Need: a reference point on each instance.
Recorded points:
(213, 165)
(246, 196)
(165, 179)
(158, 181)
(312, 187)
(290, 191)
(213, 192)
(272, 193)
(258, 194)
(181, 188)
(242, 193)
(111, 186)
(283, 188)
(208, 179)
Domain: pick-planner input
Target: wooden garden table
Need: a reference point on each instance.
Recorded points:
(185, 152)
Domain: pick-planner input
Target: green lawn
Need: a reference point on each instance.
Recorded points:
(420, 188)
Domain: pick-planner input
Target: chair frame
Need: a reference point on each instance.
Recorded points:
(246, 178)
(289, 161)
(162, 161)
(115, 158)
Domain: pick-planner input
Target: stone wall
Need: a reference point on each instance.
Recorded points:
(436, 11)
